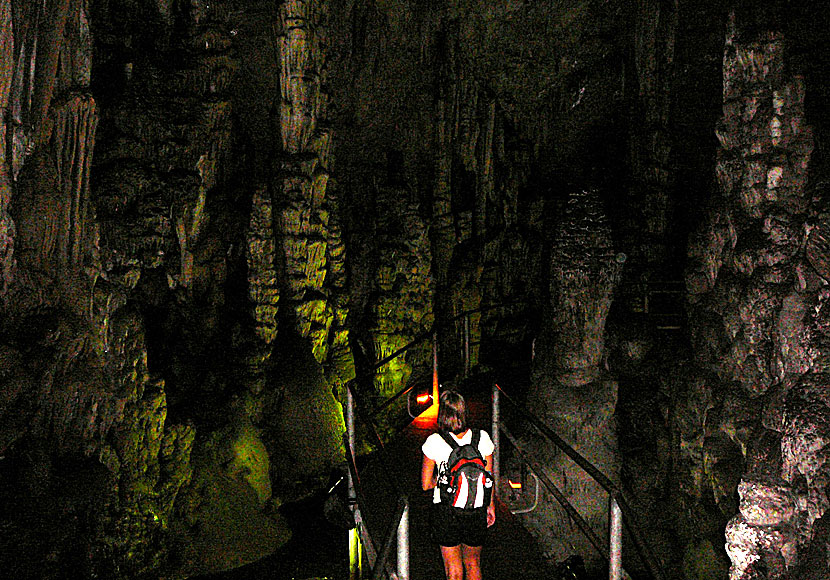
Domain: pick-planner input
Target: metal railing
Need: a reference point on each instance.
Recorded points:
(397, 533)
(360, 538)
(618, 506)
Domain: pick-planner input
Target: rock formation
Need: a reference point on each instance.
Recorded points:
(569, 390)
(755, 307)
(213, 215)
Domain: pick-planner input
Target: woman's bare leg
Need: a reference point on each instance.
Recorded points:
(453, 566)
(471, 556)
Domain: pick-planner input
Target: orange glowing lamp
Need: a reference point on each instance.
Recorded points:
(515, 484)
(422, 399)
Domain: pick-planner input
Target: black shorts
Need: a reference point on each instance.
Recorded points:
(451, 527)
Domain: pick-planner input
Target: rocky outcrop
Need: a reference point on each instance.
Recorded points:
(755, 305)
(570, 392)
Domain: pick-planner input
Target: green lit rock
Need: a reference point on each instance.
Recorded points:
(314, 319)
(229, 524)
(250, 459)
(263, 288)
(392, 376)
(305, 426)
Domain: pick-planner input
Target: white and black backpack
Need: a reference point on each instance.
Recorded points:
(465, 484)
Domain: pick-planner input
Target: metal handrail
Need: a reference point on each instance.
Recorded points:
(366, 415)
(391, 400)
(400, 523)
(391, 535)
(358, 499)
(415, 342)
(609, 486)
(583, 525)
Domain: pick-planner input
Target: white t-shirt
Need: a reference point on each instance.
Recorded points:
(438, 450)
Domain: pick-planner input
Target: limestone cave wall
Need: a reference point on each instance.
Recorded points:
(214, 214)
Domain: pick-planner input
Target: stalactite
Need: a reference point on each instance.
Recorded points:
(584, 273)
(262, 275)
(7, 227)
(304, 224)
(49, 44)
(442, 227)
(569, 390)
(340, 364)
(73, 142)
(57, 233)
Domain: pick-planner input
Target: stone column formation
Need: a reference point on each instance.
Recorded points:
(402, 305)
(7, 229)
(584, 273)
(263, 291)
(568, 390)
(55, 234)
(757, 319)
(310, 238)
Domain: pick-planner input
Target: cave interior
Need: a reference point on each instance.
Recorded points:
(217, 216)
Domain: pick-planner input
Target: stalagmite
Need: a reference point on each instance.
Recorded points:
(761, 301)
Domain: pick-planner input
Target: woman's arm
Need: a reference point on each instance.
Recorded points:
(427, 474)
(491, 509)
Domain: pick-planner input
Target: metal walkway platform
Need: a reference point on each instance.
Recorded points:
(510, 552)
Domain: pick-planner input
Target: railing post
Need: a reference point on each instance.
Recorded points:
(615, 539)
(435, 368)
(355, 550)
(466, 346)
(403, 543)
(350, 430)
(495, 434)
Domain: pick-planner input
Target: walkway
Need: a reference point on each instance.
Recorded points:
(510, 553)
(320, 549)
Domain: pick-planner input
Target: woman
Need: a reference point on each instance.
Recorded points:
(459, 535)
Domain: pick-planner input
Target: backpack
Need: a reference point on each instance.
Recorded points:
(465, 484)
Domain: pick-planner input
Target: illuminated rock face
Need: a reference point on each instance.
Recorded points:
(93, 235)
(401, 306)
(187, 276)
(756, 305)
(311, 248)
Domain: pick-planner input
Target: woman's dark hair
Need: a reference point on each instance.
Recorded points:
(452, 412)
